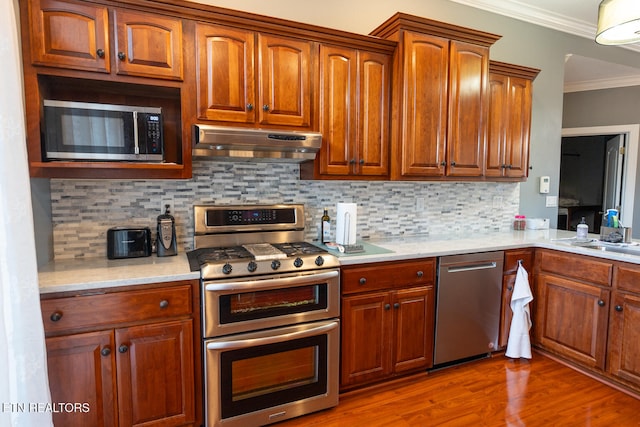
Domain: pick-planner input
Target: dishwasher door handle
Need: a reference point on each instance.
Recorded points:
(471, 267)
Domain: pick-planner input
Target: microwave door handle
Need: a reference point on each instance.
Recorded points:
(135, 133)
(252, 285)
(231, 344)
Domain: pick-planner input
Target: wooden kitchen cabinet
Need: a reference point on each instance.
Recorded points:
(511, 259)
(249, 77)
(77, 36)
(509, 120)
(354, 114)
(388, 317)
(130, 354)
(572, 310)
(440, 121)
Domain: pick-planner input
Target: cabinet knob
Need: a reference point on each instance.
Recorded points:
(123, 348)
(121, 56)
(387, 306)
(396, 305)
(509, 288)
(105, 351)
(453, 163)
(100, 53)
(363, 280)
(352, 161)
(164, 303)
(56, 316)
(443, 163)
(420, 273)
(361, 161)
(250, 107)
(601, 303)
(509, 166)
(618, 308)
(265, 107)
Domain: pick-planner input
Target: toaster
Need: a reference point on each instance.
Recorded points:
(127, 242)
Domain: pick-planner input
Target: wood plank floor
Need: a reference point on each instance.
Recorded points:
(490, 392)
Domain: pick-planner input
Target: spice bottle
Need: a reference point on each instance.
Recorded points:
(520, 222)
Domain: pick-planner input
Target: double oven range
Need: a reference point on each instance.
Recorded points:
(270, 315)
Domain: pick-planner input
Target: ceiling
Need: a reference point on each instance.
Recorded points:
(578, 17)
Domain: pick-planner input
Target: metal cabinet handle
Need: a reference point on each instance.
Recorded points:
(164, 303)
(363, 280)
(601, 303)
(443, 163)
(121, 56)
(250, 107)
(509, 288)
(265, 107)
(453, 163)
(105, 351)
(618, 308)
(56, 316)
(123, 348)
(100, 53)
(387, 306)
(396, 305)
(361, 161)
(352, 161)
(420, 273)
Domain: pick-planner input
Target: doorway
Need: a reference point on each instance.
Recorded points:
(597, 172)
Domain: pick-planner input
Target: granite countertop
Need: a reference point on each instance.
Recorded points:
(95, 273)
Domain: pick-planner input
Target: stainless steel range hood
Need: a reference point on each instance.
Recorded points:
(256, 145)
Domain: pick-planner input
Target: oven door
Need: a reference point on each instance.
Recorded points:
(271, 375)
(269, 301)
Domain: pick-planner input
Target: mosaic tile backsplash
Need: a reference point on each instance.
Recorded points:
(83, 210)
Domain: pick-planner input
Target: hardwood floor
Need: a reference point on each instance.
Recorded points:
(490, 392)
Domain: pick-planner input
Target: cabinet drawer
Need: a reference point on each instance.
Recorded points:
(576, 266)
(512, 257)
(627, 278)
(387, 275)
(92, 311)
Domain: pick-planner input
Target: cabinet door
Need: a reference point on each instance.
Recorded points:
(156, 374)
(338, 72)
(511, 259)
(468, 109)
(226, 74)
(148, 45)
(81, 369)
(498, 118)
(413, 328)
(366, 334)
(372, 158)
(285, 77)
(572, 319)
(624, 352)
(518, 127)
(69, 35)
(424, 106)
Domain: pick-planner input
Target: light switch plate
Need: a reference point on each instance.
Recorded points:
(552, 201)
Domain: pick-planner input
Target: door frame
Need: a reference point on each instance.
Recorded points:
(632, 133)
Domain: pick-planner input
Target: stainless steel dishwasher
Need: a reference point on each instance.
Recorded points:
(467, 305)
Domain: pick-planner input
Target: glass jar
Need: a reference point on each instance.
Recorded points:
(520, 222)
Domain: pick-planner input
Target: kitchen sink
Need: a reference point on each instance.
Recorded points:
(622, 248)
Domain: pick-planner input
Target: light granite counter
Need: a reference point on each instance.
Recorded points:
(95, 273)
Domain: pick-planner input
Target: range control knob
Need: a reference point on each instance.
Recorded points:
(227, 268)
(319, 261)
(298, 262)
(275, 264)
(252, 266)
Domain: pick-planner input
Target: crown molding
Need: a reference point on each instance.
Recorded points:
(535, 15)
(597, 84)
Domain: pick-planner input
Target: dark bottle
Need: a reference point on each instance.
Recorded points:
(166, 242)
(325, 234)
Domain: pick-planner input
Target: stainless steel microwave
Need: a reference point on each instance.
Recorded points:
(102, 132)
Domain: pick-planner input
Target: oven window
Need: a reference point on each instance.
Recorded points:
(265, 376)
(273, 302)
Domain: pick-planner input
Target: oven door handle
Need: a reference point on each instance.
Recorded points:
(307, 331)
(271, 283)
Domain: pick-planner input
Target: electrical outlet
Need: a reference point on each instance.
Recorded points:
(164, 201)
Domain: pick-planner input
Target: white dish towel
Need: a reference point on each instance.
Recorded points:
(519, 343)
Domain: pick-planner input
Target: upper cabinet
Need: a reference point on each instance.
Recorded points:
(354, 114)
(440, 98)
(77, 36)
(254, 78)
(509, 120)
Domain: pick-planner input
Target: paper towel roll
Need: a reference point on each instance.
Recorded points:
(346, 219)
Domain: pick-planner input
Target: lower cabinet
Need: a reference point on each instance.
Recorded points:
(138, 371)
(388, 317)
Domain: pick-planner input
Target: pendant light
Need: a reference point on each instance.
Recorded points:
(618, 22)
